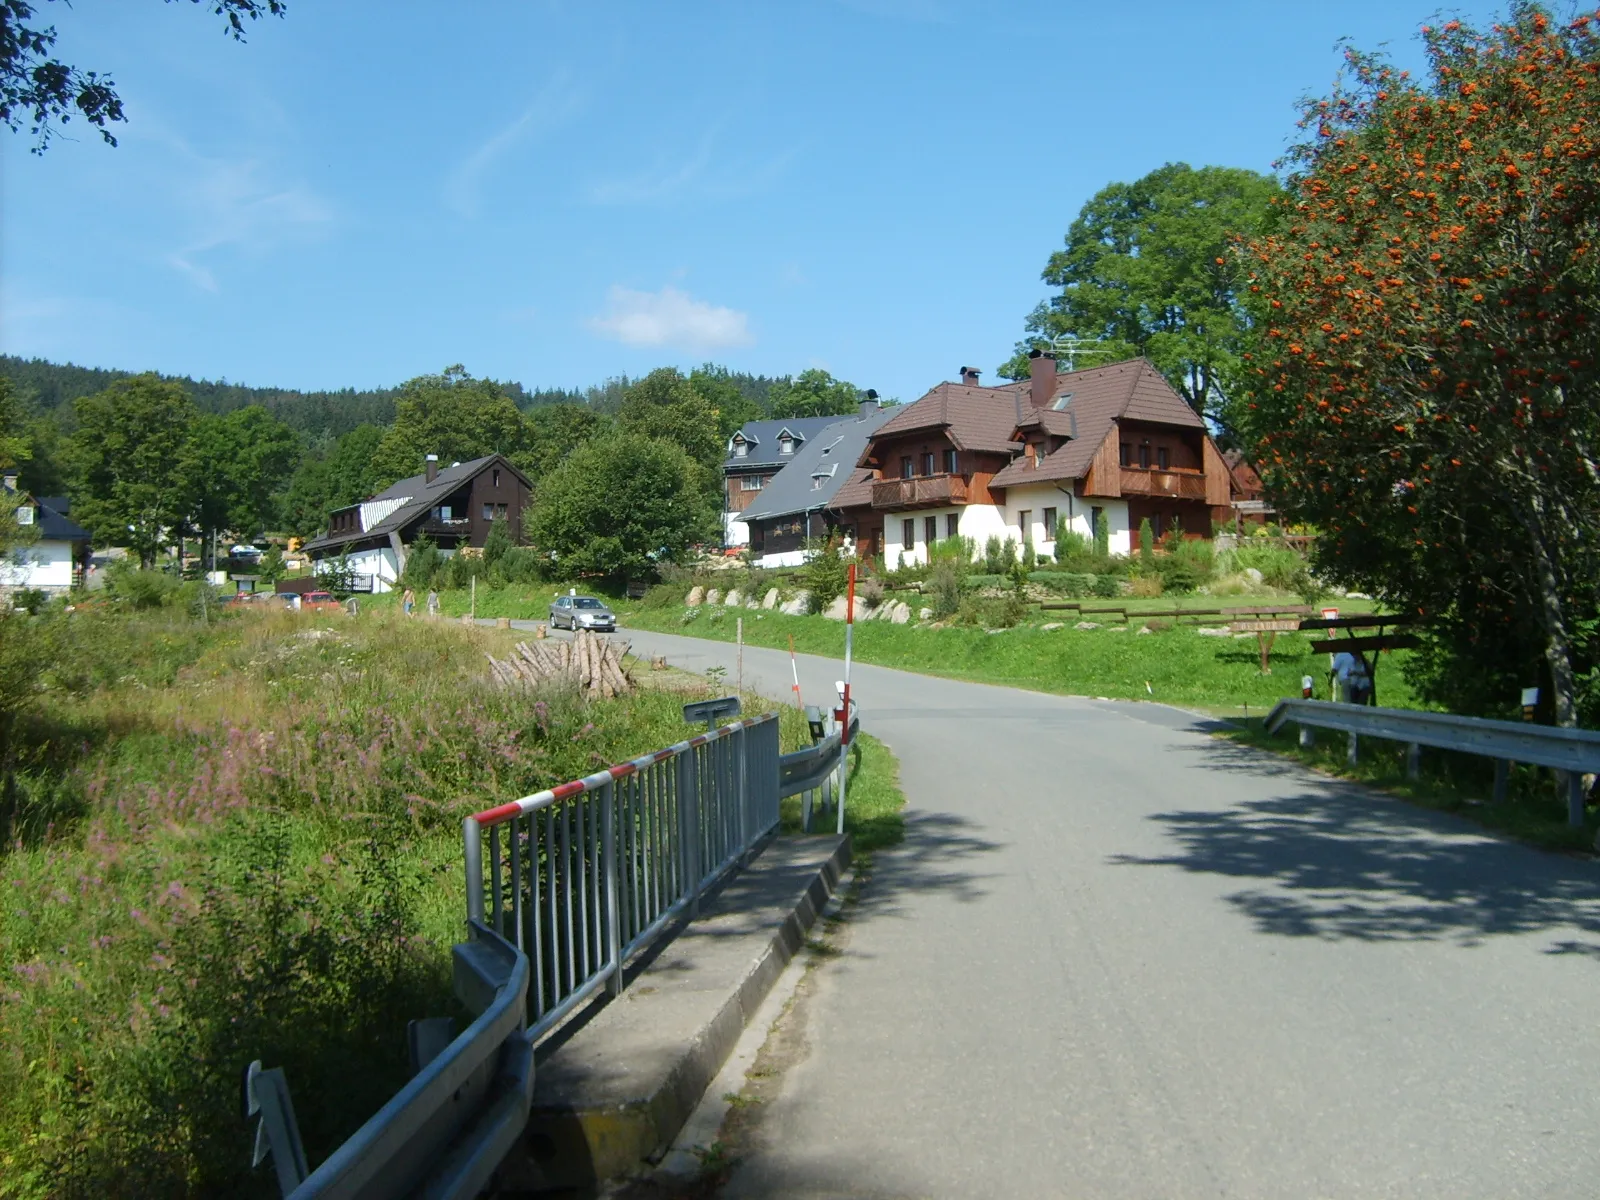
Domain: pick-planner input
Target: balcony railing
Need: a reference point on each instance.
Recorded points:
(1172, 484)
(455, 527)
(923, 491)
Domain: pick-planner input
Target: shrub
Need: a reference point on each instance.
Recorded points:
(993, 612)
(1280, 567)
(1029, 557)
(1147, 546)
(1105, 587)
(1071, 546)
(825, 576)
(664, 595)
(497, 541)
(1102, 535)
(133, 588)
(1145, 586)
(869, 592)
(960, 550)
(1186, 566)
(1071, 584)
(945, 586)
(423, 563)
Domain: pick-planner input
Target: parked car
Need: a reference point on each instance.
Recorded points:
(581, 612)
(243, 553)
(320, 602)
(291, 600)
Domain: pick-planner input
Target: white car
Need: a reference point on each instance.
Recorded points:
(581, 612)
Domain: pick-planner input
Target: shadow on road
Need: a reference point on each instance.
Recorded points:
(1336, 861)
(938, 855)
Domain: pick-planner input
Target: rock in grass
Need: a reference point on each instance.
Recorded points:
(924, 613)
(696, 597)
(714, 596)
(798, 606)
(734, 599)
(835, 609)
(1145, 629)
(770, 600)
(1048, 626)
(1087, 625)
(901, 613)
(1212, 631)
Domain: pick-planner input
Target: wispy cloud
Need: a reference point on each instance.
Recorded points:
(670, 318)
(694, 174)
(232, 205)
(555, 103)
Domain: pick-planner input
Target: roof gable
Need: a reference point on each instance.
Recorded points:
(813, 478)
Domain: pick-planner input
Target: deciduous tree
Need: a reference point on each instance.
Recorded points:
(1146, 271)
(234, 468)
(127, 461)
(452, 415)
(1428, 387)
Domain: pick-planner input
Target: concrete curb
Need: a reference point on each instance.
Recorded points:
(614, 1099)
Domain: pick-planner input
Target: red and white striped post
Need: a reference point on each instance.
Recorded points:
(794, 669)
(844, 720)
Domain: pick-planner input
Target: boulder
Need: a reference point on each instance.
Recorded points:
(696, 597)
(733, 599)
(924, 614)
(1087, 625)
(1212, 631)
(901, 613)
(1253, 575)
(770, 600)
(1145, 629)
(751, 601)
(835, 609)
(798, 606)
(714, 596)
(1049, 625)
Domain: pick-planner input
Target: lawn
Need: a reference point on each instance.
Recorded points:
(241, 839)
(1173, 664)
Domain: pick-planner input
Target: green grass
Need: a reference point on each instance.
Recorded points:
(874, 804)
(1175, 665)
(1534, 810)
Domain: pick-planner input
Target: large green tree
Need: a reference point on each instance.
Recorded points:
(555, 431)
(666, 405)
(1428, 390)
(332, 476)
(234, 468)
(814, 393)
(721, 389)
(452, 415)
(38, 88)
(127, 458)
(1149, 269)
(620, 506)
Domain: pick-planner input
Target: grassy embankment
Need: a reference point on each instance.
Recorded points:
(240, 840)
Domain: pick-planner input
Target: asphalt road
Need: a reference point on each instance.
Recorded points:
(1118, 957)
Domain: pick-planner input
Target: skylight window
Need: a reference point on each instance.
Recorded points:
(1059, 404)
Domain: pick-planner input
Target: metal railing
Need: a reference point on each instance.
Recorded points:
(814, 772)
(582, 876)
(444, 1133)
(1572, 751)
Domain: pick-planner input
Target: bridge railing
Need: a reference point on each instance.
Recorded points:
(582, 876)
(1574, 751)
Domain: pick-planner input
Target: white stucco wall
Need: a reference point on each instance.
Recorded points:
(980, 522)
(734, 531)
(380, 563)
(45, 565)
(789, 558)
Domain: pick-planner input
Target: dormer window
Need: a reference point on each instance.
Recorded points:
(740, 448)
(786, 445)
(25, 514)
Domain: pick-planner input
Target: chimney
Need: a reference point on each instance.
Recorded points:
(431, 467)
(1042, 369)
(869, 404)
(969, 376)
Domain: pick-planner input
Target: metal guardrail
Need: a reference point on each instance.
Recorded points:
(814, 772)
(1573, 751)
(582, 876)
(444, 1133)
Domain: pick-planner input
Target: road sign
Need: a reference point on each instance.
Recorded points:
(710, 711)
(1285, 626)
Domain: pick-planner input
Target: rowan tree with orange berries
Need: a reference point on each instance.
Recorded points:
(1427, 384)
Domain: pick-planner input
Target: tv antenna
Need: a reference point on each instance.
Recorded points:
(1070, 347)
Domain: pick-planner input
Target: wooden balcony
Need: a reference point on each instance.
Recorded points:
(923, 491)
(436, 527)
(1170, 484)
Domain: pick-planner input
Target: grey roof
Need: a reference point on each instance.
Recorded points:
(53, 522)
(420, 496)
(763, 438)
(819, 468)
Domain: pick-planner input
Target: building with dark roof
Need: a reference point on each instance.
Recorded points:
(453, 507)
(795, 506)
(1019, 460)
(757, 451)
(58, 558)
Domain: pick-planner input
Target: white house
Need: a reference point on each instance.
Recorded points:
(55, 562)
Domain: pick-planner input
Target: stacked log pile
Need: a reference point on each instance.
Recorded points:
(591, 662)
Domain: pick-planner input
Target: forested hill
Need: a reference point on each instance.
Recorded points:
(50, 388)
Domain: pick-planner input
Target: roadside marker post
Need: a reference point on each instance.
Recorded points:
(794, 669)
(844, 720)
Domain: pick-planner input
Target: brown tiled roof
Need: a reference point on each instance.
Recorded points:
(856, 491)
(978, 418)
(1133, 390)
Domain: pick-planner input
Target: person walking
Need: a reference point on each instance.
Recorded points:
(1353, 677)
(408, 601)
(433, 602)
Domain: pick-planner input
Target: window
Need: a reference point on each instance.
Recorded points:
(741, 448)
(25, 514)
(950, 461)
(1161, 457)
(1144, 455)
(496, 477)
(1049, 524)
(908, 533)
(905, 467)
(786, 445)
(488, 512)
(752, 483)
(927, 462)
(1155, 524)
(1059, 404)
(1024, 521)
(1095, 513)
(930, 529)
(952, 522)
(1127, 455)
(500, 511)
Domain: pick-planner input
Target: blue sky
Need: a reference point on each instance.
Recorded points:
(560, 192)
